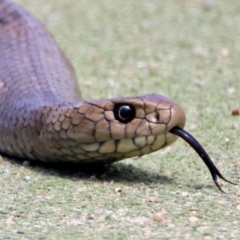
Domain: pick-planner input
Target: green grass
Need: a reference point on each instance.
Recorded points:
(175, 48)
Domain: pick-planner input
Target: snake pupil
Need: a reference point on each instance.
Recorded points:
(124, 113)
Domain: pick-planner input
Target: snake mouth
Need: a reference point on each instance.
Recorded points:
(202, 153)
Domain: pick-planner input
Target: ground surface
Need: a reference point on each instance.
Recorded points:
(187, 50)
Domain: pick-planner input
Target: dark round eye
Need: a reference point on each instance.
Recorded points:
(124, 113)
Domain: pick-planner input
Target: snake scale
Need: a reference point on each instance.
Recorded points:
(43, 117)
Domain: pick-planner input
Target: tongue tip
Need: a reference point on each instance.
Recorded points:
(201, 152)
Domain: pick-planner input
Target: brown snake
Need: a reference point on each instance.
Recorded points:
(43, 118)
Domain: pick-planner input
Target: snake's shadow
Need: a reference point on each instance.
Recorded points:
(119, 172)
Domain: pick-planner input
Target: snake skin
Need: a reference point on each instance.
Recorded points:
(42, 115)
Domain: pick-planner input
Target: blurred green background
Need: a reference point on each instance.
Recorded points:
(187, 50)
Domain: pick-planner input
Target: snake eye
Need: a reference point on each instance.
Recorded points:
(124, 113)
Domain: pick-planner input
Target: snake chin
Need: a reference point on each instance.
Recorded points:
(115, 150)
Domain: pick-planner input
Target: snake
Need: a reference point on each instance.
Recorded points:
(43, 116)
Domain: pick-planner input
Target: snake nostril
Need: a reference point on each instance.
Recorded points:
(157, 116)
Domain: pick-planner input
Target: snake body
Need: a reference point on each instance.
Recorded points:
(43, 117)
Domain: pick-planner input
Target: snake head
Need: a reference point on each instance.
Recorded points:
(114, 129)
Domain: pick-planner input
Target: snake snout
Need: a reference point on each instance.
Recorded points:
(177, 119)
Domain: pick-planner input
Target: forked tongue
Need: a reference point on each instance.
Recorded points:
(202, 153)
